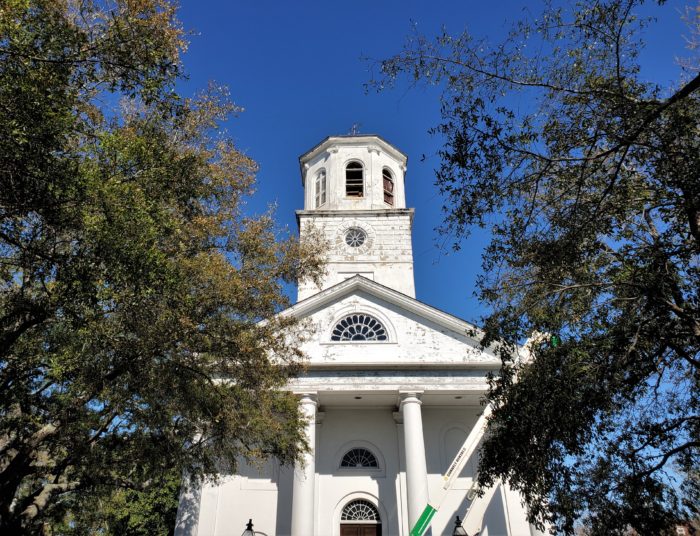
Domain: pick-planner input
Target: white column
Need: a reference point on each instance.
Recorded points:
(416, 471)
(188, 510)
(305, 474)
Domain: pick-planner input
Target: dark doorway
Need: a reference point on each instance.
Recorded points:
(360, 530)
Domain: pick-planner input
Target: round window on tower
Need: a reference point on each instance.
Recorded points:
(355, 237)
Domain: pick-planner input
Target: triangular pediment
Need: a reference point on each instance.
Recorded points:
(416, 333)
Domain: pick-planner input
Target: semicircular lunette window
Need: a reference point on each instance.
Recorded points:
(359, 458)
(360, 510)
(359, 327)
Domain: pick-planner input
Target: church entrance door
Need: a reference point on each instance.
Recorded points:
(360, 518)
(360, 530)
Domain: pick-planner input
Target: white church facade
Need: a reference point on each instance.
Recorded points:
(392, 388)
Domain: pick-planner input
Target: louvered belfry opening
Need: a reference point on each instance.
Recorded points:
(388, 179)
(354, 180)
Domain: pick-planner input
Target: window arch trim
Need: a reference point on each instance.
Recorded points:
(359, 327)
(340, 504)
(368, 309)
(360, 510)
(375, 472)
(359, 458)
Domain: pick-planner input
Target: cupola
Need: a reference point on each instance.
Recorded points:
(353, 173)
(354, 195)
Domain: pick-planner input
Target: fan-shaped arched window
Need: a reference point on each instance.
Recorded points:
(360, 510)
(354, 180)
(320, 188)
(359, 457)
(359, 327)
(388, 187)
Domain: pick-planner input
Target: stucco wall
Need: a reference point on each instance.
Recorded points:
(266, 497)
(386, 256)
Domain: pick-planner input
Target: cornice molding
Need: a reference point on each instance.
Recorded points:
(372, 141)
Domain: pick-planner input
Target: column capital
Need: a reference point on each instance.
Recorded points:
(308, 398)
(410, 397)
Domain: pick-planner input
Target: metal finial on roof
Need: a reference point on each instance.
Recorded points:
(355, 129)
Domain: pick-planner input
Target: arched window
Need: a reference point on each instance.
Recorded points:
(360, 510)
(388, 187)
(354, 180)
(359, 457)
(359, 327)
(320, 188)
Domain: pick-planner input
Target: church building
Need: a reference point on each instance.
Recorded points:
(392, 388)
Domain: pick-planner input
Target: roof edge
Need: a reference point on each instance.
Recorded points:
(326, 141)
(359, 282)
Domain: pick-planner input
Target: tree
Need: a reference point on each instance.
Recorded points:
(123, 512)
(138, 304)
(589, 179)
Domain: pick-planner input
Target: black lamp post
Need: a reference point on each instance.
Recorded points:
(459, 529)
(249, 529)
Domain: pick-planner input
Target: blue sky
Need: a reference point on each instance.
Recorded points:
(297, 69)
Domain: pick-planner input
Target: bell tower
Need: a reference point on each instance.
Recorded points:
(354, 195)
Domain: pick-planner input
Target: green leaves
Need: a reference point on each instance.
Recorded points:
(589, 177)
(131, 347)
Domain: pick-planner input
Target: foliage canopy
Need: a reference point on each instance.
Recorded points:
(124, 511)
(131, 280)
(588, 176)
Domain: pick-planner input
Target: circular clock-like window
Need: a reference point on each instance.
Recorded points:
(355, 237)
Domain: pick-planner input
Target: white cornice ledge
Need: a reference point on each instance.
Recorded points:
(490, 365)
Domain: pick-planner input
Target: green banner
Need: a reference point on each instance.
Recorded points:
(423, 521)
